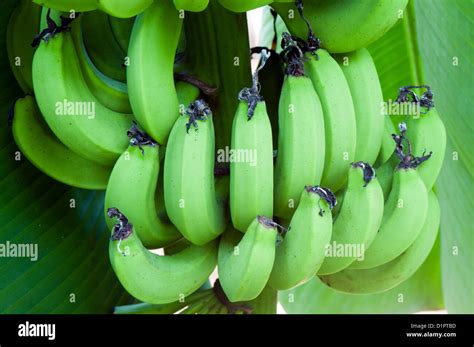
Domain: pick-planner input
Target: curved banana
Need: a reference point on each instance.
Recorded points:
(391, 274)
(361, 75)
(358, 221)
(22, 27)
(343, 25)
(245, 262)
(427, 133)
(301, 253)
(47, 153)
(132, 187)
(72, 112)
(251, 173)
(122, 30)
(301, 143)
(150, 73)
(157, 279)
(116, 8)
(191, 5)
(103, 50)
(339, 117)
(111, 93)
(404, 214)
(190, 192)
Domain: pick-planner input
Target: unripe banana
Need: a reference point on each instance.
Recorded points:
(245, 262)
(190, 193)
(361, 75)
(157, 279)
(47, 153)
(116, 8)
(111, 93)
(391, 274)
(22, 27)
(72, 112)
(191, 5)
(343, 25)
(339, 117)
(301, 253)
(187, 93)
(150, 71)
(301, 143)
(251, 179)
(132, 187)
(404, 214)
(388, 146)
(243, 5)
(358, 221)
(427, 133)
(122, 30)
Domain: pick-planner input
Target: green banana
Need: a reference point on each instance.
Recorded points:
(132, 187)
(428, 133)
(47, 153)
(404, 214)
(187, 93)
(301, 143)
(361, 75)
(387, 148)
(150, 72)
(339, 117)
(116, 8)
(391, 274)
(243, 5)
(301, 253)
(191, 5)
(190, 192)
(251, 180)
(245, 262)
(343, 25)
(72, 112)
(111, 93)
(22, 27)
(103, 50)
(358, 221)
(122, 30)
(152, 278)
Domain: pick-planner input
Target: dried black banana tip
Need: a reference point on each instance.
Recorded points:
(407, 159)
(53, 28)
(232, 308)
(324, 193)
(369, 171)
(197, 110)
(122, 229)
(407, 95)
(140, 138)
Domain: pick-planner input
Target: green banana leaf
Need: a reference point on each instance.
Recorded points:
(446, 49)
(398, 63)
(72, 273)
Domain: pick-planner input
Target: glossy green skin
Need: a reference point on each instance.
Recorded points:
(22, 27)
(301, 144)
(68, 5)
(191, 5)
(116, 8)
(47, 153)
(251, 185)
(57, 77)
(391, 274)
(243, 5)
(150, 77)
(358, 221)
(301, 253)
(343, 25)
(361, 75)
(131, 189)
(244, 271)
(388, 145)
(190, 193)
(158, 279)
(404, 215)
(339, 117)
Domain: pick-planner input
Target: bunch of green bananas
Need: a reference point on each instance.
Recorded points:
(107, 112)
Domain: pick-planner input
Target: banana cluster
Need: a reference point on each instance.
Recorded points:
(317, 181)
